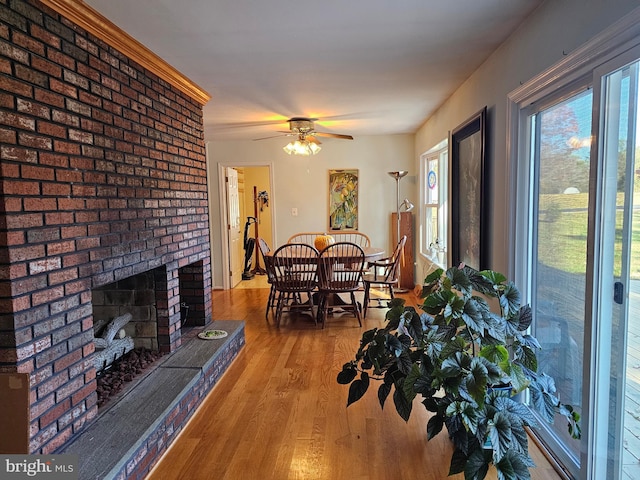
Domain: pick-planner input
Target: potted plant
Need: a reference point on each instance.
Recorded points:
(470, 363)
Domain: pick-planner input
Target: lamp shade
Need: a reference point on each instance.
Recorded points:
(302, 147)
(399, 174)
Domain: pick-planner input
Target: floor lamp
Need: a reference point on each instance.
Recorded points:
(407, 206)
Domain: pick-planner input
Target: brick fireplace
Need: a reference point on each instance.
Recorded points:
(103, 178)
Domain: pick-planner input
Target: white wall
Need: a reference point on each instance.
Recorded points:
(556, 28)
(302, 183)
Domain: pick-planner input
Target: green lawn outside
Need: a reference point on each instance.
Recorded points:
(562, 233)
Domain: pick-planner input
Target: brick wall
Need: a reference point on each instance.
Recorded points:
(102, 177)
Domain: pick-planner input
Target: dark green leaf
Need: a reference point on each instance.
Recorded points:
(529, 358)
(510, 300)
(383, 392)
(368, 336)
(358, 388)
(530, 341)
(475, 382)
(409, 382)
(495, 374)
(520, 410)
(494, 278)
(453, 366)
(458, 462)
(525, 318)
(403, 406)
(412, 324)
(477, 465)
(438, 300)
(434, 426)
(423, 386)
(573, 418)
(500, 435)
(473, 317)
(453, 347)
(496, 326)
(466, 412)
(404, 363)
(347, 374)
(460, 280)
(519, 381)
(405, 340)
(433, 277)
(482, 283)
(543, 397)
(394, 345)
(513, 466)
(520, 441)
(457, 433)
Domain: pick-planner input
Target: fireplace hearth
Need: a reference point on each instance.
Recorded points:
(129, 435)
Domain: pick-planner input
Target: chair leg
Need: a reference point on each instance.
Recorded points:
(315, 319)
(270, 302)
(322, 309)
(367, 285)
(280, 306)
(356, 308)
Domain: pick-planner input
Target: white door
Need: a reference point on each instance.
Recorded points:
(236, 248)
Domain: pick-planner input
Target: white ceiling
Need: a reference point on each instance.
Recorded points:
(363, 67)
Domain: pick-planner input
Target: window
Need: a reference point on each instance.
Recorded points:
(560, 156)
(433, 196)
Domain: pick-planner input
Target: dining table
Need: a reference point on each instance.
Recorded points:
(370, 254)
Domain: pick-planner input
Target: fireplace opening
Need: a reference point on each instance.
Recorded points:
(125, 316)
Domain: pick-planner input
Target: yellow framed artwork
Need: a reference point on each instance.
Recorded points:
(343, 200)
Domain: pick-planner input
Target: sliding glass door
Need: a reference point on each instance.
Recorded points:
(580, 185)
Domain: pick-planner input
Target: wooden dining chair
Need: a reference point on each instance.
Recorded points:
(339, 271)
(385, 273)
(294, 267)
(265, 250)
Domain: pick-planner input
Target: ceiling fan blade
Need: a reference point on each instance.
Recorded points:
(333, 135)
(283, 134)
(313, 139)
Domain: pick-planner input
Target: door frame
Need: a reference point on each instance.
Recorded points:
(222, 193)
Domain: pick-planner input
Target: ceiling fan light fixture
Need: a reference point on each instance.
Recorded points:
(302, 147)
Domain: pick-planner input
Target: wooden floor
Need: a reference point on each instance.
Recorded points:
(278, 412)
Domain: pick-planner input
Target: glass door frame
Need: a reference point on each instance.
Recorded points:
(605, 461)
(609, 48)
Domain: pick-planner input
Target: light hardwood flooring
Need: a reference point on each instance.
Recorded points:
(278, 412)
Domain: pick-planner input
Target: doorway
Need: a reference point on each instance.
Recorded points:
(253, 217)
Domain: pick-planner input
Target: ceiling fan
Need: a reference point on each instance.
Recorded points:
(306, 143)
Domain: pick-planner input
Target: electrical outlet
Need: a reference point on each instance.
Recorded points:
(294, 212)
